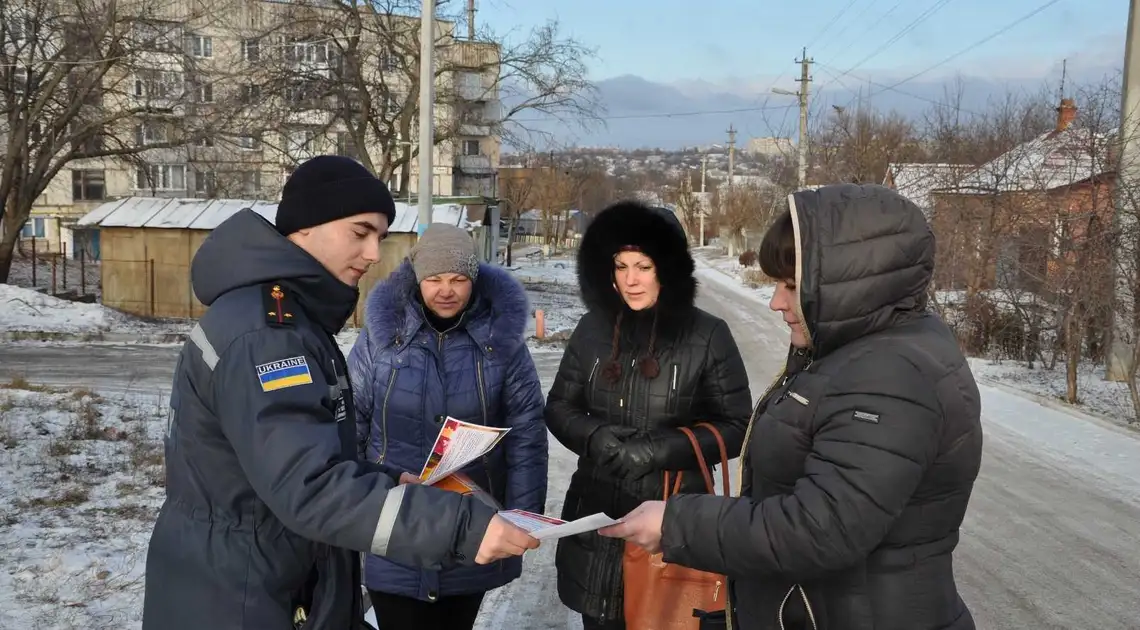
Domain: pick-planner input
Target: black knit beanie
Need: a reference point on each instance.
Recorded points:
(327, 188)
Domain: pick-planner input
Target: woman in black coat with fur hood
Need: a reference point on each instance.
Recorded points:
(643, 361)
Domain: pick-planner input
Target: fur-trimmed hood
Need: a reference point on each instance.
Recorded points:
(658, 233)
(496, 319)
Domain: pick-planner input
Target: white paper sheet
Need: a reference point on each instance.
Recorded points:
(547, 528)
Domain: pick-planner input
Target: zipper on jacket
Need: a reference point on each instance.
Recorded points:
(483, 406)
(740, 474)
(384, 417)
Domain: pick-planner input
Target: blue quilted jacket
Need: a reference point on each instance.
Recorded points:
(406, 377)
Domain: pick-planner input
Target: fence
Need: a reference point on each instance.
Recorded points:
(70, 275)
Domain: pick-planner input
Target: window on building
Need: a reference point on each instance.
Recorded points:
(88, 185)
(389, 61)
(471, 147)
(204, 93)
(158, 84)
(151, 133)
(250, 93)
(250, 183)
(300, 141)
(346, 145)
(34, 228)
(251, 49)
(200, 46)
(250, 142)
(205, 183)
(161, 177)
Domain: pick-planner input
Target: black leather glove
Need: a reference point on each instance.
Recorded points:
(635, 459)
(606, 443)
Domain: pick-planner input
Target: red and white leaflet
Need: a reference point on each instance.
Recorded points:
(547, 528)
(458, 444)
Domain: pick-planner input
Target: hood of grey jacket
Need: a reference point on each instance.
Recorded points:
(864, 260)
(246, 249)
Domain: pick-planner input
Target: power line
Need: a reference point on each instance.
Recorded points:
(980, 42)
(870, 28)
(925, 15)
(828, 69)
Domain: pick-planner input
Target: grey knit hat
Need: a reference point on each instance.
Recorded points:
(444, 248)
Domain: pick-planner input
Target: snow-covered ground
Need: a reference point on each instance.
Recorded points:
(1106, 399)
(27, 310)
(552, 286)
(82, 485)
(742, 280)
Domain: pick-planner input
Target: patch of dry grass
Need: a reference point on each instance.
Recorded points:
(755, 278)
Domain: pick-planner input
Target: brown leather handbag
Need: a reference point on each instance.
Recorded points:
(663, 596)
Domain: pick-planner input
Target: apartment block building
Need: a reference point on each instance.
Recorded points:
(223, 99)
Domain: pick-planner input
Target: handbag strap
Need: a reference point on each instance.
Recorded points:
(723, 456)
(700, 459)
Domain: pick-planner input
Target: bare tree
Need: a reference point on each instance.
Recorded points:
(85, 84)
(516, 191)
(353, 68)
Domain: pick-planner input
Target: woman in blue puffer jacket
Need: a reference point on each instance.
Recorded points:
(446, 336)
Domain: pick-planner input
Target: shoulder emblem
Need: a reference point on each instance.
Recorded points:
(284, 373)
(278, 305)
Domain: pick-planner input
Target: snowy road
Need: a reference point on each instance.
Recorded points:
(1052, 539)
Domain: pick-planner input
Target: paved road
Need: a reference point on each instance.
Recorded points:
(1052, 539)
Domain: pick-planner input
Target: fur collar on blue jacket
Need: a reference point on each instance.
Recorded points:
(496, 319)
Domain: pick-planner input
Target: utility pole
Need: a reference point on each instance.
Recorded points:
(704, 167)
(731, 152)
(427, 112)
(471, 20)
(804, 81)
(1122, 351)
(802, 94)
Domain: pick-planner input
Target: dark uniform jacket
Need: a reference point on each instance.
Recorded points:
(267, 507)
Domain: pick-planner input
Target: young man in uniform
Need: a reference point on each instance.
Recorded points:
(267, 507)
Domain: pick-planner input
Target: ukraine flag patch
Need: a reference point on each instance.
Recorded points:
(284, 373)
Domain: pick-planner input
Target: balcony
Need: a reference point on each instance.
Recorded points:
(308, 117)
(474, 55)
(475, 163)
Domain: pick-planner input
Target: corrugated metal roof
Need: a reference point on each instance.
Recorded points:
(207, 214)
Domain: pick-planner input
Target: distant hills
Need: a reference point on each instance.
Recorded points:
(646, 114)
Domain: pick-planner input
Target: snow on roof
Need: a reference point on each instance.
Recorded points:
(207, 214)
(1051, 160)
(916, 180)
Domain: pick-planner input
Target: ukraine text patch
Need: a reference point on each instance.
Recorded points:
(284, 373)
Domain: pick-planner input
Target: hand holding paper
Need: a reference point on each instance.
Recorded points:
(641, 527)
(503, 540)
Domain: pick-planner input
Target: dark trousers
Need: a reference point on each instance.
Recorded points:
(396, 612)
(590, 623)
